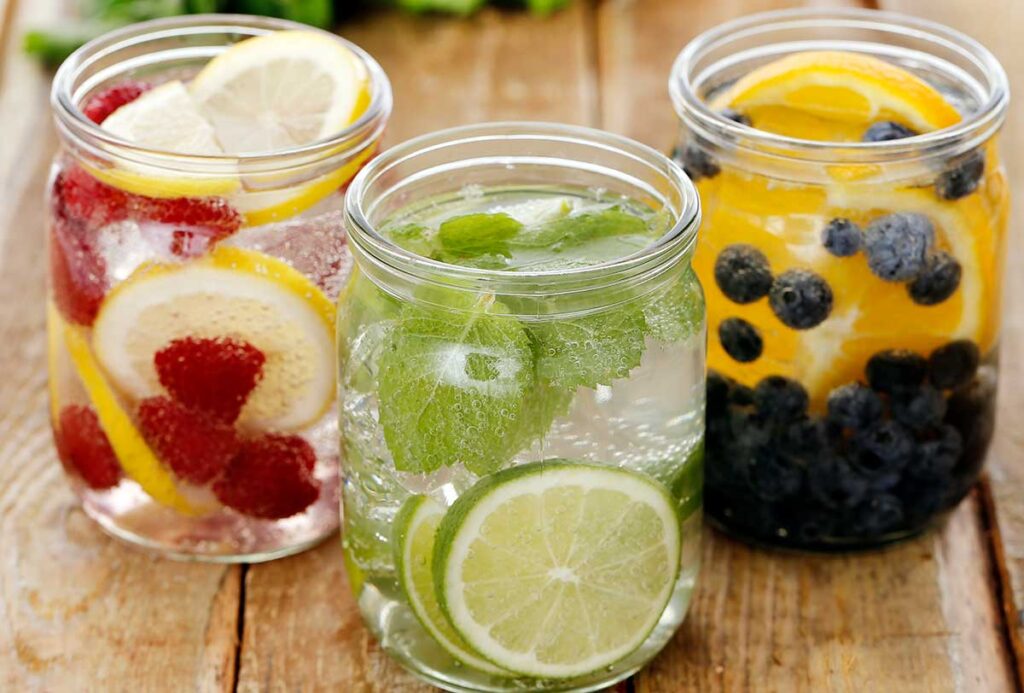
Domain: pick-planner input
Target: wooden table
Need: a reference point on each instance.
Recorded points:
(79, 611)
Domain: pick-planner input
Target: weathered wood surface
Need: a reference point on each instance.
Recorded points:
(79, 611)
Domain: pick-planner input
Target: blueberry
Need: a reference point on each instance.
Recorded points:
(800, 299)
(742, 273)
(919, 409)
(834, 483)
(780, 399)
(886, 130)
(937, 281)
(854, 406)
(741, 396)
(878, 515)
(881, 452)
(841, 237)
(773, 476)
(895, 369)
(936, 458)
(698, 163)
(735, 116)
(963, 176)
(717, 391)
(740, 339)
(953, 364)
(803, 439)
(814, 527)
(897, 245)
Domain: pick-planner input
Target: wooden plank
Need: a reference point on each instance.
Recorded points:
(995, 28)
(921, 616)
(77, 609)
(302, 628)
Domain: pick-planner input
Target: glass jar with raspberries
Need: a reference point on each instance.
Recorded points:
(852, 254)
(195, 247)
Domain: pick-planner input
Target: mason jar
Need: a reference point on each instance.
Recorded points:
(521, 367)
(855, 212)
(191, 308)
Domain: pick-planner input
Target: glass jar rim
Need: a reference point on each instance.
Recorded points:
(677, 241)
(74, 124)
(975, 128)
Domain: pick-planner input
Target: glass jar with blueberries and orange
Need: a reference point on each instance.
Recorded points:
(195, 249)
(852, 254)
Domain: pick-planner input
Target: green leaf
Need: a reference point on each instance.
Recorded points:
(545, 6)
(472, 235)
(412, 237)
(463, 7)
(677, 312)
(591, 350)
(580, 228)
(453, 387)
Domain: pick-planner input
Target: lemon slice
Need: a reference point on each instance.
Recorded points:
(135, 457)
(835, 96)
(557, 569)
(281, 90)
(165, 119)
(235, 293)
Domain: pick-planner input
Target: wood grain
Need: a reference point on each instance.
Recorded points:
(302, 629)
(78, 610)
(997, 27)
(925, 616)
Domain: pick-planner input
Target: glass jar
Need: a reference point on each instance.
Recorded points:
(853, 269)
(470, 392)
(191, 311)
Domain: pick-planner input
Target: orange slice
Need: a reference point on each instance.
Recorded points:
(834, 96)
(868, 314)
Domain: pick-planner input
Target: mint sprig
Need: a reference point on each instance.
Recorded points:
(472, 235)
(452, 388)
(580, 228)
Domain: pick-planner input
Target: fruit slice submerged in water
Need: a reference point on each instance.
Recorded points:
(556, 569)
(835, 96)
(234, 294)
(415, 530)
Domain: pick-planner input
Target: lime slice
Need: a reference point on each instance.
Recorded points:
(415, 527)
(236, 293)
(557, 569)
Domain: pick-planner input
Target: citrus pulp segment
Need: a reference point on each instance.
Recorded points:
(835, 95)
(415, 530)
(134, 455)
(557, 569)
(231, 293)
(281, 90)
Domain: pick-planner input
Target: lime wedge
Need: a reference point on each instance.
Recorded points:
(415, 527)
(557, 569)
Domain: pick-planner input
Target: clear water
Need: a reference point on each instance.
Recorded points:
(650, 421)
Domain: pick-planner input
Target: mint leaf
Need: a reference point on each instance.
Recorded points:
(478, 234)
(453, 387)
(677, 312)
(412, 237)
(486, 261)
(580, 228)
(544, 403)
(589, 351)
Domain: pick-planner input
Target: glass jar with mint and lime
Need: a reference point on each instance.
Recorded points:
(521, 362)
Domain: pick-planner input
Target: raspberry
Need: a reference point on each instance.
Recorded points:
(100, 106)
(213, 376)
(77, 272)
(192, 223)
(83, 448)
(196, 448)
(271, 478)
(79, 197)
